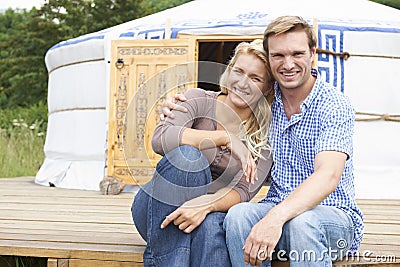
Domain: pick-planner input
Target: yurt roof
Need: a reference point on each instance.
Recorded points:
(233, 17)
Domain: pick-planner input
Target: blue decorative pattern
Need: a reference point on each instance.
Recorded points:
(330, 37)
(331, 67)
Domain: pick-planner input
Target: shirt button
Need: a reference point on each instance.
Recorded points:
(286, 135)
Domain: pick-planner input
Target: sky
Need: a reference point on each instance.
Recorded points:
(27, 4)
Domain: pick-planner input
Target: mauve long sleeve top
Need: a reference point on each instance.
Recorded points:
(225, 169)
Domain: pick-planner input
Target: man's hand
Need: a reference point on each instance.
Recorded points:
(262, 240)
(170, 104)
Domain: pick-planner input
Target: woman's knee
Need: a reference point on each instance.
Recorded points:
(212, 226)
(184, 166)
(183, 156)
(139, 210)
(212, 220)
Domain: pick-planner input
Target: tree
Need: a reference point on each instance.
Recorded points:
(25, 37)
(391, 3)
(23, 44)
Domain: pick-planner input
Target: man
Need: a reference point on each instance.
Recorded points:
(309, 215)
(310, 212)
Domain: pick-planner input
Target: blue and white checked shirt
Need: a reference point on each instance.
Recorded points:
(326, 122)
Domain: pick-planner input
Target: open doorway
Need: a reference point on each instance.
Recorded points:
(213, 51)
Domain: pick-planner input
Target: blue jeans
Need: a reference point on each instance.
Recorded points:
(181, 175)
(314, 238)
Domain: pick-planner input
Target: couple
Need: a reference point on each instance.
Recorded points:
(218, 149)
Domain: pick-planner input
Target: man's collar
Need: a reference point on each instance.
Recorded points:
(311, 96)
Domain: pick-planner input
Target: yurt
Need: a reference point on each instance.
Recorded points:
(94, 78)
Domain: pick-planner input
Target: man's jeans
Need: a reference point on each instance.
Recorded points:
(314, 238)
(181, 175)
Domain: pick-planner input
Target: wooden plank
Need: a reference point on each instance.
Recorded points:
(382, 218)
(385, 229)
(381, 239)
(65, 217)
(78, 226)
(73, 232)
(66, 200)
(10, 190)
(96, 263)
(68, 208)
(86, 228)
(378, 202)
(63, 263)
(97, 239)
(38, 191)
(52, 263)
(377, 250)
(71, 250)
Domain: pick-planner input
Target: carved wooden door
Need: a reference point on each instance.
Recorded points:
(143, 74)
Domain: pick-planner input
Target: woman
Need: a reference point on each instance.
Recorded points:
(215, 156)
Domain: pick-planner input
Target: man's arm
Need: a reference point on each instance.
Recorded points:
(328, 169)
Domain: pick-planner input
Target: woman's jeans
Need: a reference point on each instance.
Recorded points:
(314, 238)
(181, 175)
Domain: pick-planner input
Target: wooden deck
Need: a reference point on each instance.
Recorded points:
(84, 228)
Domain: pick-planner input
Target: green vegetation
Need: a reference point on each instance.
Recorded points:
(391, 3)
(10, 261)
(25, 37)
(22, 136)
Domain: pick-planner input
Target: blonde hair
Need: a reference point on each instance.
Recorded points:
(254, 131)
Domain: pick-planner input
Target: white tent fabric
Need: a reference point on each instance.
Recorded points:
(76, 139)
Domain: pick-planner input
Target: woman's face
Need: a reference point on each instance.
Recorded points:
(247, 81)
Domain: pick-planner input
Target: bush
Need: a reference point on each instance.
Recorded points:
(22, 137)
(35, 114)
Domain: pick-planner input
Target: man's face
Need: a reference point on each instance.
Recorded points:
(290, 59)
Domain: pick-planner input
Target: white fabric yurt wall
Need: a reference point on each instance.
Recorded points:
(76, 139)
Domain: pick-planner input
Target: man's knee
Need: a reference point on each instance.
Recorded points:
(305, 224)
(236, 215)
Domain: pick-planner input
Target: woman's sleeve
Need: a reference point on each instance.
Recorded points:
(247, 190)
(168, 133)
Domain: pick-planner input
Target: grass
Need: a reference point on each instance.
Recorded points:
(12, 261)
(21, 148)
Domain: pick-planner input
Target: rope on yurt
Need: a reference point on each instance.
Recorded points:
(367, 116)
(346, 55)
(73, 109)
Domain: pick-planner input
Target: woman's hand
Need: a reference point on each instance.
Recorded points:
(170, 104)
(193, 212)
(240, 152)
(186, 217)
(237, 148)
